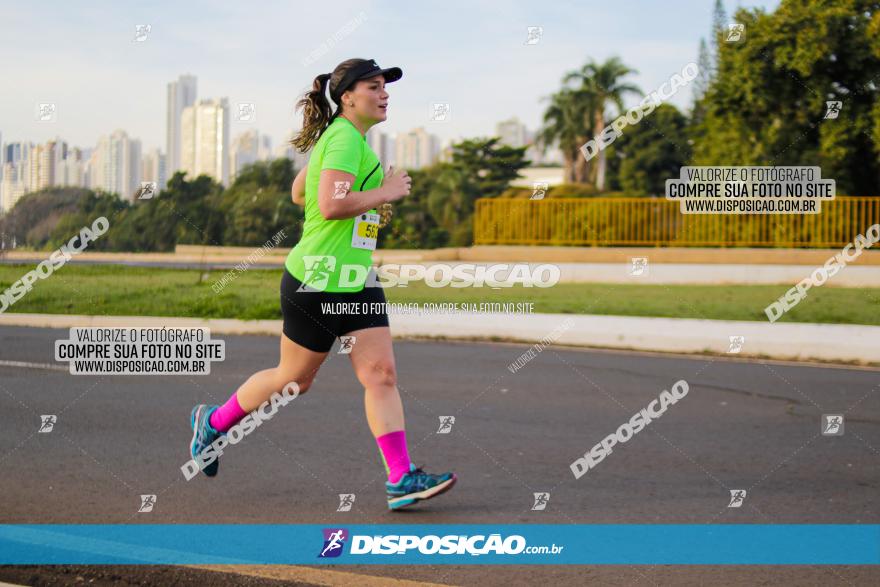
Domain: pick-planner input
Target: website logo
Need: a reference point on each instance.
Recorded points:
(832, 424)
(346, 500)
(148, 502)
(346, 345)
(446, 423)
(541, 500)
(318, 270)
(736, 344)
(341, 189)
(737, 497)
(736, 32)
(47, 422)
(334, 541)
(832, 109)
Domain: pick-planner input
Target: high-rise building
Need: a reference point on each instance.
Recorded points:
(14, 182)
(181, 94)
(12, 187)
(205, 139)
(16, 152)
(512, 132)
(286, 150)
(37, 167)
(248, 147)
(381, 145)
(416, 149)
(115, 165)
(515, 134)
(70, 170)
(264, 148)
(41, 165)
(153, 168)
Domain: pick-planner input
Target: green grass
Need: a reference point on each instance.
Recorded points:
(254, 294)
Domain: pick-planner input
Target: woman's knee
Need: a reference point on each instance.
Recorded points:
(294, 383)
(381, 373)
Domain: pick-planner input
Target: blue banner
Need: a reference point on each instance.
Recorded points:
(543, 544)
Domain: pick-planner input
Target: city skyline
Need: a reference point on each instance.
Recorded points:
(199, 133)
(110, 80)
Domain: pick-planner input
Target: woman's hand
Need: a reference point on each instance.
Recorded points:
(396, 185)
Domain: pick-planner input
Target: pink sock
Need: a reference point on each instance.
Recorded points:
(394, 455)
(227, 415)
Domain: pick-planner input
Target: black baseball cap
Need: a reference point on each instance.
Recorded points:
(366, 69)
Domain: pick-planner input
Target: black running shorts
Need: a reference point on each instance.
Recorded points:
(315, 319)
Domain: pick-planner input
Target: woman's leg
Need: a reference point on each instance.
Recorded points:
(373, 360)
(372, 357)
(296, 363)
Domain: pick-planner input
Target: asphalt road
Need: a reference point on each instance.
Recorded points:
(744, 425)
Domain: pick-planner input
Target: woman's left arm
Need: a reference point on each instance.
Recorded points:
(298, 189)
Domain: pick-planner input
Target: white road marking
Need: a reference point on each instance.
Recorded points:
(26, 365)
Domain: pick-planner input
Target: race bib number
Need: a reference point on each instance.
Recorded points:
(365, 232)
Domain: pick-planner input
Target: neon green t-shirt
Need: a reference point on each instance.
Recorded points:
(325, 248)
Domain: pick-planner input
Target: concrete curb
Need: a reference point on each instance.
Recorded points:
(791, 341)
(493, 254)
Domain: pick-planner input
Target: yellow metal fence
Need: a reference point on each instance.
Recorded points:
(658, 222)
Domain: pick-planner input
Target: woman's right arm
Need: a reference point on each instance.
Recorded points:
(334, 190)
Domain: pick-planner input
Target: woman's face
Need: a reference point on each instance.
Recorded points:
(369, 99)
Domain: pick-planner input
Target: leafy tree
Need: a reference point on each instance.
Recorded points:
(258, 205)
(195, 205)
(603, 81)
(31, 221)
(719, 28)
(577, 114)
(412, 226)
(185, 212)
(652, 152)
(91, 206)
(767, 104)
(480, 168)
(704, 78)
(568, 122)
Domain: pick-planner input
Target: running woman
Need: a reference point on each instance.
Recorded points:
(341, 188)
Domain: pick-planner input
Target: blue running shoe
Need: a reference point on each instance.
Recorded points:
(416, 486)
(203, 435)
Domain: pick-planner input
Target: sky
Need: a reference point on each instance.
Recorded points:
(472, 55)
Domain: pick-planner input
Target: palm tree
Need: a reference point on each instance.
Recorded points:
(603, 82)
(564, 122)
